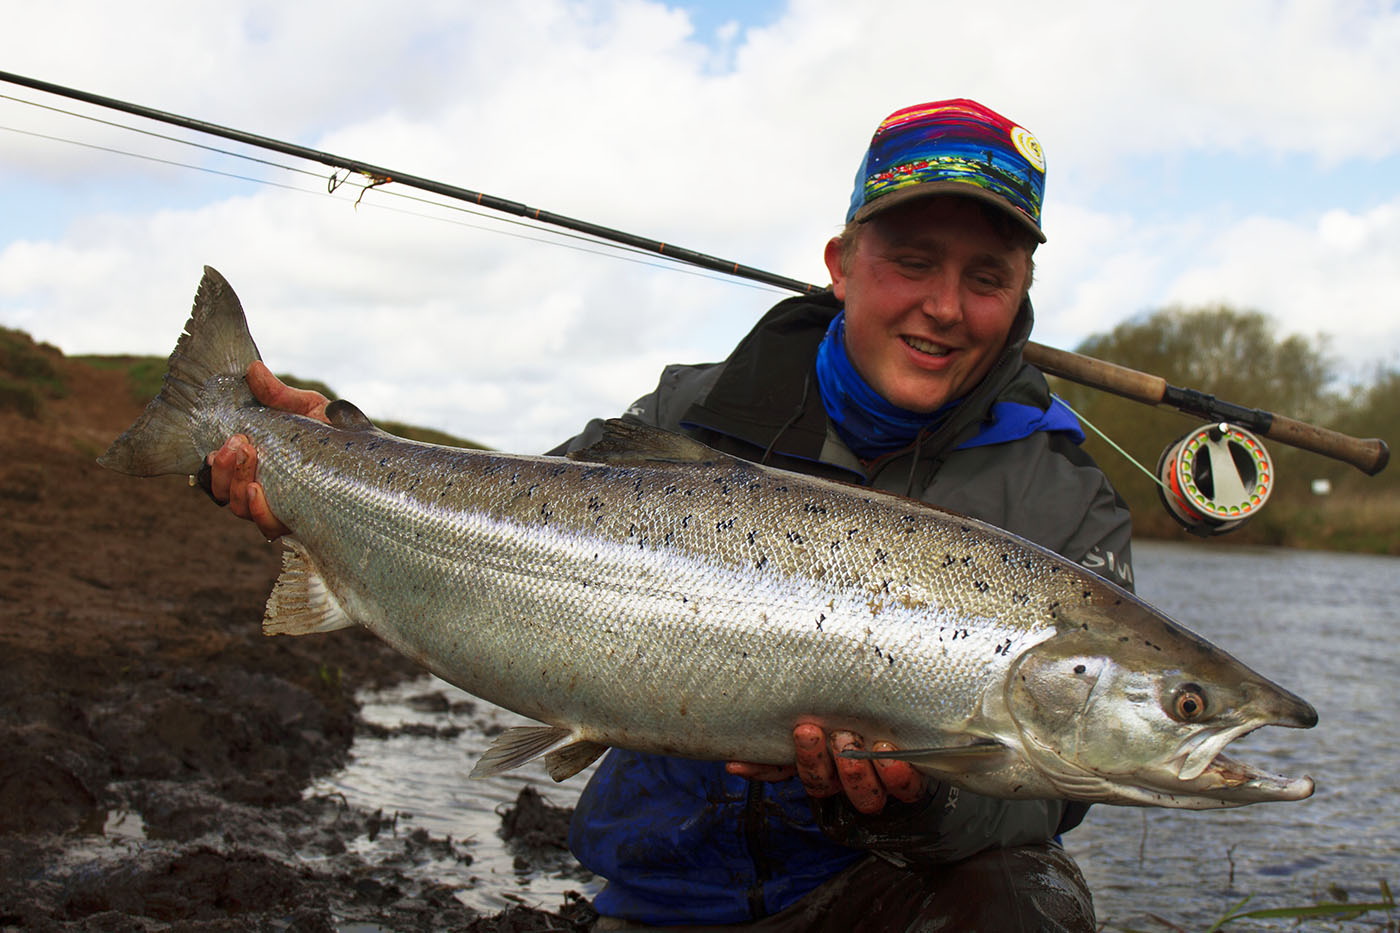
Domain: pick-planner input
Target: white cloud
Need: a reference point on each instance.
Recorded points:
(616, 112)
(1335, 275)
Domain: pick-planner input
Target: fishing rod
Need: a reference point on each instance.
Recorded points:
(379, 175)
(1370, 455)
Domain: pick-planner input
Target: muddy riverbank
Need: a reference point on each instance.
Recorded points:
(154, 745)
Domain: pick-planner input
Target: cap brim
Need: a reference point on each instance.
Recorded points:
(960, 189)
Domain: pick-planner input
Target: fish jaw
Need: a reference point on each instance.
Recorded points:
(1098, 710)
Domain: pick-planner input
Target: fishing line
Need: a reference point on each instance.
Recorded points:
(1110, 442)
(150, 158)
(552, 238)
(137, 129)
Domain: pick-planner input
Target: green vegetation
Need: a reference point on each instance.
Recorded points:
(1235, 356)
(1337, 907)
(28, 373)
(146, 373)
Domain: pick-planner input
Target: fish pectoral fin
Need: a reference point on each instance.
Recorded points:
(951, 761)
(565, 762)
(518, 745)
(634, 442)
(301, 603)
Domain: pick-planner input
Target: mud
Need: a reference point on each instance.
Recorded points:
(154, 746)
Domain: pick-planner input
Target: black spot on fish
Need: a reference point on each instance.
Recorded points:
(1079, 668)
(949, 560)
(880, 556)
(981, 586)
(1087, 593)
(795, 537)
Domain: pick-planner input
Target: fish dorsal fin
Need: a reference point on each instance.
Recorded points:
(347, 417)
(633, 442)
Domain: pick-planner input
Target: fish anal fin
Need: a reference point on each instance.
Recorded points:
(565, 762)
(301, 603)
(949, 762)
(517, 745)
(633, 442)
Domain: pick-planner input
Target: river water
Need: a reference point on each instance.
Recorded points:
(1326, 626)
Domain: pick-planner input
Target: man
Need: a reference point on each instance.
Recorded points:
(907, 376)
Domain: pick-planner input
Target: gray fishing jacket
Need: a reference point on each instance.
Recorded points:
(762, 404)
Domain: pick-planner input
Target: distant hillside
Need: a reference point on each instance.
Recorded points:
(31, 375)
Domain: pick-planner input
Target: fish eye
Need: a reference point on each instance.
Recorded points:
(1188, 703)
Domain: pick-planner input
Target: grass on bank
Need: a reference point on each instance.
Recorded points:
(29, 373)
(1339, 908)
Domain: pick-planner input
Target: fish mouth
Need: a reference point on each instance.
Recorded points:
(1234, 781)
(1202, 767)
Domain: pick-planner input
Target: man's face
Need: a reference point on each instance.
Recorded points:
(930, 295)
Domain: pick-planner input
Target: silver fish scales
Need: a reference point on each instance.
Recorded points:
(654, 594)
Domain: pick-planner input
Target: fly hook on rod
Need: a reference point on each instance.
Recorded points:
(1370, 455)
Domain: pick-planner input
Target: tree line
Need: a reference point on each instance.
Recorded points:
(1237, 356)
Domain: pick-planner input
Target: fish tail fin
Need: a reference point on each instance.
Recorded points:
(215, 343)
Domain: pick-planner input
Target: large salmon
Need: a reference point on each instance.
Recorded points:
(654, 594)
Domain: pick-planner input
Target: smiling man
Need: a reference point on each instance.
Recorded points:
(906, 376)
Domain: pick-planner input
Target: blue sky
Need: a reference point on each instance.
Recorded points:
(1256, 163)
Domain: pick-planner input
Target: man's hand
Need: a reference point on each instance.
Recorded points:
(867, 783)
(233, 468)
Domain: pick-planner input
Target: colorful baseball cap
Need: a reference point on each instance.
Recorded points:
(951, 147)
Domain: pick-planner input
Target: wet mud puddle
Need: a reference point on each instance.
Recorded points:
(492, 844)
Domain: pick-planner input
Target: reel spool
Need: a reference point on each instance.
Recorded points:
(1217, 477)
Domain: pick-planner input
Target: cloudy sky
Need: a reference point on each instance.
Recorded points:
(1199, 152)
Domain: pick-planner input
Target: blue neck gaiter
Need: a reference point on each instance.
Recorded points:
(869, 424)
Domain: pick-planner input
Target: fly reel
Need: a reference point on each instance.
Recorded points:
(1215, 478)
